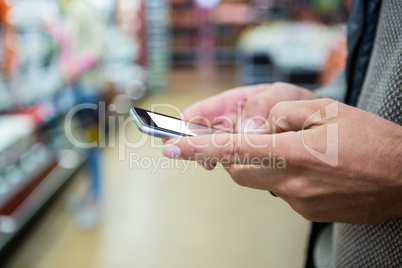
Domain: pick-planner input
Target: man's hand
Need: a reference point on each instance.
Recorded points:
(243, 109)
(246, 108)
(329, 161)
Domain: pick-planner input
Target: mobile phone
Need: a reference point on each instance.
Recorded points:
(167, 127)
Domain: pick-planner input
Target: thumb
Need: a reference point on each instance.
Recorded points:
(299, 115)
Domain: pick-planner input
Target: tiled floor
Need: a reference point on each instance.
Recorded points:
(171, 216)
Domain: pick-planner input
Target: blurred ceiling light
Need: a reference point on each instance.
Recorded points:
(207, 3)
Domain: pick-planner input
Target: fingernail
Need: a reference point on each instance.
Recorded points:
(171, 151)
(249, 126)
(282, 126)
(209, 165)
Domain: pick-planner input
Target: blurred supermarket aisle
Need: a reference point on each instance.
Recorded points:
(171, 216)
(156, 212)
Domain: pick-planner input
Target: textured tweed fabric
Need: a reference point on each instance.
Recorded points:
(378, 245)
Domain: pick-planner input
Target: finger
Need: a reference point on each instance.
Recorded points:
(255, 112)
(299, 115)
(214, 109)
(237, 149)
(257, 107)
(268, 177)
(209, 166)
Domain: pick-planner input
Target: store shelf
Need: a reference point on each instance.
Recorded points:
(158, 44)
(227, 21)
(35, 192)
(36, 157)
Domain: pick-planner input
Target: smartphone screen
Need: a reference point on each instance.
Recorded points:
(173, 125)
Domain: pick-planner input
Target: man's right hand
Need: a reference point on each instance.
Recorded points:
(244, 109)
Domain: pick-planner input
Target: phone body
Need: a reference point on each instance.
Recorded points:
(167, 127)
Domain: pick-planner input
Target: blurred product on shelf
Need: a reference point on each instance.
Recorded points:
(53, 56)
(330, 11)
(7, 51)
(287, 52)
(81, 38)
(34, 57)
(36, 159)
(206, 47)
(229, 18)
(158, 44)
(192, 40)
(335, 63)
(125, 57)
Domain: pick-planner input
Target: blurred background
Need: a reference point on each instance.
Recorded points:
(62, 205)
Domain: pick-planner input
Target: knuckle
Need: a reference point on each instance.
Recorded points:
(303, 199)
(276, 115)
(300, 189)
(295, 188)
(318, 104)
(227, 152)
(276, 109)
(230, 150)
(195, 150)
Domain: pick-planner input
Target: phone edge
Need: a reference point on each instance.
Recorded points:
(150, 131)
